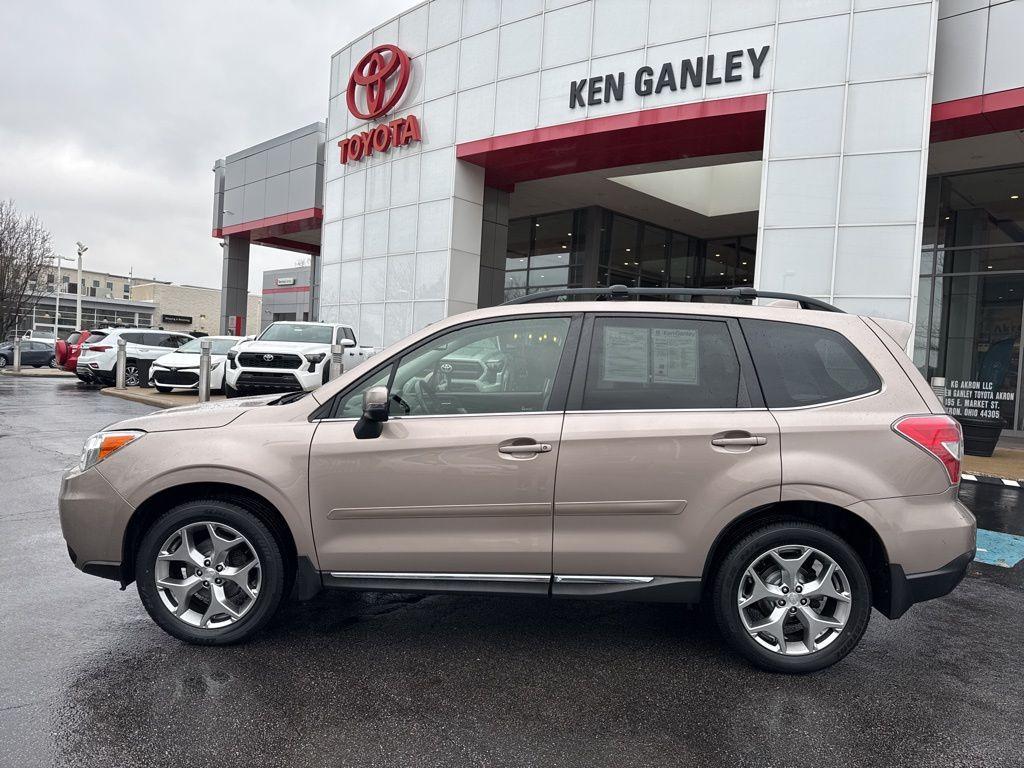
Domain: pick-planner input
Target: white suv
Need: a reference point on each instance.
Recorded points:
(290, 357)
(98, 362)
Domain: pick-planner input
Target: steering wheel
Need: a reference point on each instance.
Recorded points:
(425, 394)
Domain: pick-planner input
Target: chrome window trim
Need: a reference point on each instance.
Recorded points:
(850, 399)
(672, 410)
(454, 415)
(421, 576)
(565, 579)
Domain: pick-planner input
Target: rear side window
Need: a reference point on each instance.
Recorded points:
(74, 337)
(805, 365)
(661, 364)
(95, 338)
(132, 338)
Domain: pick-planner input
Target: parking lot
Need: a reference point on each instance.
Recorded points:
(402, 680)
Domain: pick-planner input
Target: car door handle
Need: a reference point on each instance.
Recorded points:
(732, 441)
(519, 450)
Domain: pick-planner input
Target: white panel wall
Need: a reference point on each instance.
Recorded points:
(850, 86)
(846, 153)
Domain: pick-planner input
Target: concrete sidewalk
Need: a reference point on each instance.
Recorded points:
(157, 399)
(1006, 463)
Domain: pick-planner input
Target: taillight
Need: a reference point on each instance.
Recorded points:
(940, 435)
(98, 348)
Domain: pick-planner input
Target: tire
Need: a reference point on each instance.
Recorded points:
(792, 538)
(3, 362)
(230, 391)
(163, 390)
(37, 366)
(132, 374)
(228, 519)
(53, 362)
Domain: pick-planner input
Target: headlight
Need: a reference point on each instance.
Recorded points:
(316, 358)
(103, 444)
(231, 359)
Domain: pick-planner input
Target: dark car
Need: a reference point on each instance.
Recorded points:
(34, 353)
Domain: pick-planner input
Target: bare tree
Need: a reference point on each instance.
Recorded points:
(25, 253)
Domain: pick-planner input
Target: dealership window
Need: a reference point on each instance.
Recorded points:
(544, 252)
(971, 292)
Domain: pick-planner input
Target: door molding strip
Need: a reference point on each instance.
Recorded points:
(563, 579)
(424, 576)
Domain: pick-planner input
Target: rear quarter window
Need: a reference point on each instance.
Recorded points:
(802, 365)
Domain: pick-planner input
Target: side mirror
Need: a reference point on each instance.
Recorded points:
(375, 413)
(347, 343)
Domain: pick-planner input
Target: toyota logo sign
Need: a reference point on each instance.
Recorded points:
(372, 74)
(268, 358)
(376, 85)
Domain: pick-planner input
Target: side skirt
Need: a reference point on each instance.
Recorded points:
(662, 589)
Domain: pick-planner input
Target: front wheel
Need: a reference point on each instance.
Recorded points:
(163, 390)
(792, 597)
(230, 391)
(3, 362)
(210, 573)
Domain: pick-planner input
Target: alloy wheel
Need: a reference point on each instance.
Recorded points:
(131, 376)
(208, 575)
(3, 361)
(794, 600)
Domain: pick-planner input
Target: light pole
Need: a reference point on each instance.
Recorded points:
(78, 291)
(56, 300)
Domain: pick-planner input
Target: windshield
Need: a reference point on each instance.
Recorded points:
(217, 346)
(298, 332)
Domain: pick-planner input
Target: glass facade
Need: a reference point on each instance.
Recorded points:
(552, 251)
(971, 292)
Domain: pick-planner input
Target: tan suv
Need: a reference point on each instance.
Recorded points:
(787, 465)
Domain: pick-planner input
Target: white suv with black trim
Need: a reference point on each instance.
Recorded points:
(289, 357)
(97, 363)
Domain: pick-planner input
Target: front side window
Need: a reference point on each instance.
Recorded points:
(662, 364)
(806, 365)
(501, 367)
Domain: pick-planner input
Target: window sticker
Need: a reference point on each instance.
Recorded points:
(674, 356)
(626, 354)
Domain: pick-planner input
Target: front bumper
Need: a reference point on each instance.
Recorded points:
(267, 381)
(93, 518)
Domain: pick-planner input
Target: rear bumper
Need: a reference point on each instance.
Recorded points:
(906, 590)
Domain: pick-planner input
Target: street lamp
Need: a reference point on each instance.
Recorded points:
(78, 291)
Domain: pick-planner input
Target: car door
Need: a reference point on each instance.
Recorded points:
(458, 489)
(37, 353)
(665, 439)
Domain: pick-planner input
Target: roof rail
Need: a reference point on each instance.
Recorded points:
(621, 292)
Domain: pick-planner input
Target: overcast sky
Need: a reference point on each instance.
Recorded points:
(112, 113)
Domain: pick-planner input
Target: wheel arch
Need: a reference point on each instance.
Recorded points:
(297, 569)
(851, 527)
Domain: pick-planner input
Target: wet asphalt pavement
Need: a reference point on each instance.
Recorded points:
(397, 680)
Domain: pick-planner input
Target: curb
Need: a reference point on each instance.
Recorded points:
(39, 375)
(987, 480)
(135, 397)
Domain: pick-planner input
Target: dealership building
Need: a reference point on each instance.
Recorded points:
(866, 152)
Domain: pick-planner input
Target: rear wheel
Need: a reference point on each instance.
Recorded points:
(163, 390)
(132, 374)
(210, 573)
(3, 361)
(792, 597)
(53, 362)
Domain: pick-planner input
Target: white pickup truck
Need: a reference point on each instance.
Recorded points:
(289, 357)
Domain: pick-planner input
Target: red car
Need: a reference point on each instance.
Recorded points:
(69, 350)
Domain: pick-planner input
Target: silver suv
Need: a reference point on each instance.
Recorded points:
(786, 465)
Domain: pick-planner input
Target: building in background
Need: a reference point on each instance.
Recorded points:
(868, 153)
(120, 300)
(191, 308)
(286, 295)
